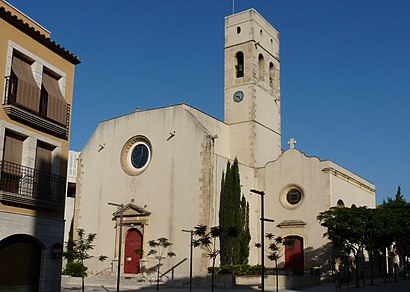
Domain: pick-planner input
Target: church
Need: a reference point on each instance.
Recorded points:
(165, 166)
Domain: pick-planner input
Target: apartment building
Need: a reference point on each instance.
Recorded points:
(34, 140)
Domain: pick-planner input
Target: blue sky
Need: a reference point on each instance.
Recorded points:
(345, 70)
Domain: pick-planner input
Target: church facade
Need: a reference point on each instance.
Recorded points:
(165, 166)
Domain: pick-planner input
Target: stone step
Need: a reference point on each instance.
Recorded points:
(136, 280)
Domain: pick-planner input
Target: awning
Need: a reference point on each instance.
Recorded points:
(28, 93)
(57, 106)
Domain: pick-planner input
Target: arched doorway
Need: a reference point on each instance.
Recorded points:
(133, 241)
(20, 263)
(294, 255)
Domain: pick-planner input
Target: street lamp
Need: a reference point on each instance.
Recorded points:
(263, 219)
(190, 260)
(121, 206)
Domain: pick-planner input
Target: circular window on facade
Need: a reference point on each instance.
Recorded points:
(291, 196)
(136, 155)
(294, 196)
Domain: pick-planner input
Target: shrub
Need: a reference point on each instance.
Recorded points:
(238, 269)
(75, 269)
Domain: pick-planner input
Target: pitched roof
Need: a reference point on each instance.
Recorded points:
(31, 31)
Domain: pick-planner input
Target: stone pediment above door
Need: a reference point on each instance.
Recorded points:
(292, 223)
(132, 213)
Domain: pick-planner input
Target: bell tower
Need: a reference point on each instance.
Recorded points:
(252, 88)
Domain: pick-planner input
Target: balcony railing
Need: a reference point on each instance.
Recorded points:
(16, 111)
(28, 186)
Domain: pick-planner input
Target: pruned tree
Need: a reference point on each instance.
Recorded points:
(207, 240)
(159, 249)
(77, 251)
(276, 249)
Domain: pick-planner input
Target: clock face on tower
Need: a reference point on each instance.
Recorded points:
(238, 96)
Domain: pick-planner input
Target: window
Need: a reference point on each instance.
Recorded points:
(261, 65)
(136, 155)
(11, 164)
(239, 65)
(294, 196)
(42, 175)
(139, 156)
(12, 88)
(71, 190)
(52, 103)
(43, 102)
(13, 148)
(34, 93)
(291, 196)
(340, 204)
(23, 88)
(44, 157)
(271, 74)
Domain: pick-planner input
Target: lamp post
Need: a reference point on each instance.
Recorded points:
(263, 219)
(190, 260)
(121, 206)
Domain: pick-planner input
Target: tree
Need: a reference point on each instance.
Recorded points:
(347, 230)
(399, 217)
(233, 219)
(160, 249)
(77, 251)
(207, 240)
(397, 201)
(276, 250)
(245, 234)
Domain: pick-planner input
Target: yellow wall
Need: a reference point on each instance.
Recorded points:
(10, 33)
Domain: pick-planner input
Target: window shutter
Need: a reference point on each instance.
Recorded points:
(13, 149)
(57, 106)
(28, 93)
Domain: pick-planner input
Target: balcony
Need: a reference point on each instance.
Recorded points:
(36, 120)
(27, 186)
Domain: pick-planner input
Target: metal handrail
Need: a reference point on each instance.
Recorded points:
(32, 183)
(172, 269)
(10, 100)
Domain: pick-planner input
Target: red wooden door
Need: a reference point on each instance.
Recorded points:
(294, 255)
(133, 241)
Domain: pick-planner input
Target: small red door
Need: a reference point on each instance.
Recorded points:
(294, 255)
(133, 241)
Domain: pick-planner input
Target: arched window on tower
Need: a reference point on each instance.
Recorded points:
(261, 65)
(340, 204)
(271, 74)
(239, 65)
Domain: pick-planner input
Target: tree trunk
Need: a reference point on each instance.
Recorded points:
(405, 262)
(371, 255)
(357, 278)
(159, 265)
(386, 262)
(277, 276)
(363, 269)
(213, 273)
(82, 278)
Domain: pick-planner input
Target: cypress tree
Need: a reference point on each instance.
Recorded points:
(233, 219)
(245, 236)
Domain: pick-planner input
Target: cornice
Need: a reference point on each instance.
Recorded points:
(38, 36)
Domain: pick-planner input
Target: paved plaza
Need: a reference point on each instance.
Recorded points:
(400, 286)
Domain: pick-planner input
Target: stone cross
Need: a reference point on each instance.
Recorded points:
(292, 143)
